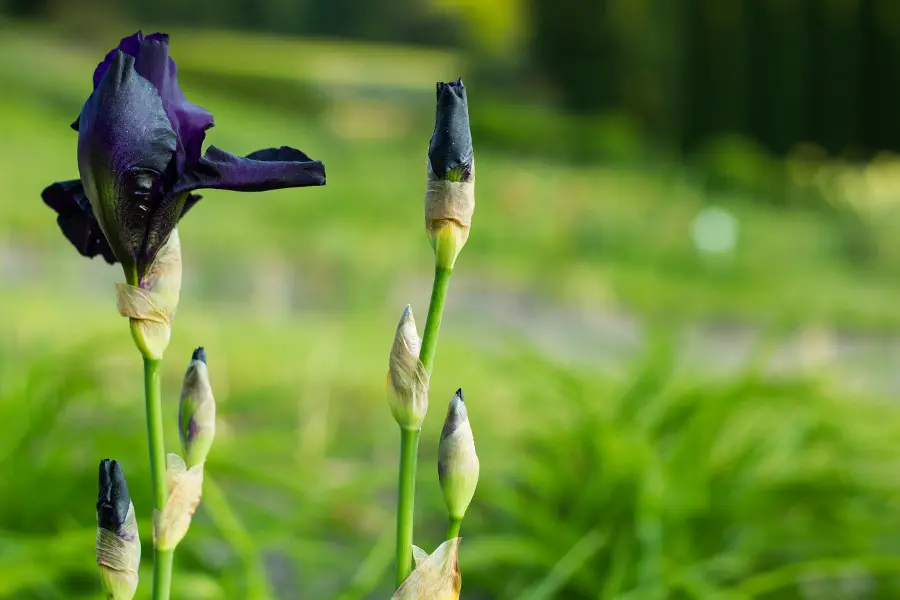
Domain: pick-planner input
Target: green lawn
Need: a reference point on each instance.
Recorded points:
(629, 478)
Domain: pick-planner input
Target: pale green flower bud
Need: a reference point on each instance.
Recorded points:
(407, 378)
(196, 411)
(457, 461)
(118, 544)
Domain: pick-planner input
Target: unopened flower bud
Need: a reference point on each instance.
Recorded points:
(450, 190)
(185, 487)
(436, 577)
(118, 544)
(196, 411)
(151, 304)
(457, 460)
(407, 378)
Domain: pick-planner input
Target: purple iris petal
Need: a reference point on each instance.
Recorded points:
(153, 63)
(76, 219)
(125, 143)
(269, 169)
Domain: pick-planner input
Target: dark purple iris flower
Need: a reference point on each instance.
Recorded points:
(140, 158)
(450, 153)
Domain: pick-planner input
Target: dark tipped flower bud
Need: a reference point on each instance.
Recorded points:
(118, 544)
(196, 411)
(457, 461)
(407, 378)
(450, 191)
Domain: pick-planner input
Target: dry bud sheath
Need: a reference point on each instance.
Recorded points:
(449, 206)
(185, 487)
(457, 460)
(407, 378)
(151, 305)
(196, 411)
(436, 577)
(118, 544)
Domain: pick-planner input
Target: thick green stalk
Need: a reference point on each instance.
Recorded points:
(409, 448)
(435, 314)
(162, 560)
(453, 530)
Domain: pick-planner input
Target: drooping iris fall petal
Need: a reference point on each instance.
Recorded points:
(76, 219)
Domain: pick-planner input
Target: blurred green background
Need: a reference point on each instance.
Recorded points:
(674, 320)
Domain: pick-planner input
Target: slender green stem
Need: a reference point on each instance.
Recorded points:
(162, 560)
(409, 440)
(435, 314)
(453, 530)
(162, 573)
(409, 447)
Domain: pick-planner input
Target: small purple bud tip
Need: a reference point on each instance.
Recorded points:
(113, 501)
(456, 414)
(199, 354)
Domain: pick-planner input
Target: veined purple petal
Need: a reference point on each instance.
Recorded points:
(269, 169)
(153, 63)
(130, 45)
(76, 219)
(125, 143)
(189, 121)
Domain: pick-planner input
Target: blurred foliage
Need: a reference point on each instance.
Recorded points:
(778, 72)
(637, 486)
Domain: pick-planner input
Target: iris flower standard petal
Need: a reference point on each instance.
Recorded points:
(125, 143)
(140, 155)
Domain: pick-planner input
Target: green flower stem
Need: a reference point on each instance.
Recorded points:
(409, 440)
(409, 447)
(162, 560)
(453, 530)
(162, 573)
(435, 314)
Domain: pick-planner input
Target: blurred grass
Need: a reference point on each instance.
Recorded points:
(598, 480)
